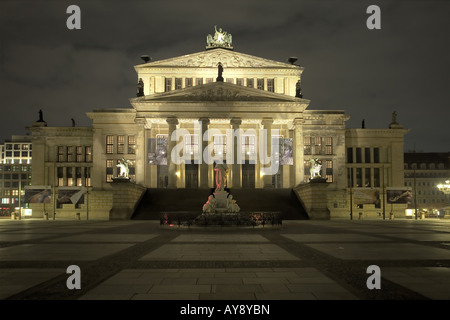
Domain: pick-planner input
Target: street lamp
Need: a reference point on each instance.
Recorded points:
(445, 188)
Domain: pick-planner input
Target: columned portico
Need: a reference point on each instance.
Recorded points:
(172, 176)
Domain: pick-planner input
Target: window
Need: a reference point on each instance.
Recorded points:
(131, 144)
(359, 177)
(87, 176)
(61, 155)
(178, 83)
(367, 155)
(80, 154)
(240, 81)
(329, 170)
(60, 176)
(350, 177)
(250, 83)
(358, 155)
(248, 144)
(260, 84)
(191, 144)
(109, 170)
(328, 145)
(69, 177)
(88, 153)
(230, 80)
(307, 145)
(109, 144)
(78, 181)
(376, 177)
(167, 84)
(120, 144)
(220, 144)
(209, 80)
(271, 85)
(306, 172)
(188, 82)
(367, 177)
(376, 155)
(198, 81)
(317, 145)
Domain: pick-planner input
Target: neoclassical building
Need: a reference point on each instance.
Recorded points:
(196, 110)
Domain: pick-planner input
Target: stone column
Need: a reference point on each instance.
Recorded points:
(236, 167)
(298, 152)
(203, 144)
(172, 183)
(267, 126)
(140, 151)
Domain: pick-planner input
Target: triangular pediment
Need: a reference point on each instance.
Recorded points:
(210, 58)
(218, 91)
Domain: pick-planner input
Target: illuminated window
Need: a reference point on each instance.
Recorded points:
(248, 144)
(178, 83)
(271, 85)
(167, 84)
(198, 81)
(120, 144)
(317, 145)
(69, 153)
(250, 83)
(220, 144)
(88, 153)
(191, 144)
(109, 144)
(109, 170)
(80, 154)
(328, 145)
(131, 144)
(61, 155)
(307, 145)
(87, 176)
(69, 177)
(260, 84)
(188, 82)
(240, 81)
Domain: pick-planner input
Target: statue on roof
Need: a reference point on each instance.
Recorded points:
(140, 88)
(220, 39)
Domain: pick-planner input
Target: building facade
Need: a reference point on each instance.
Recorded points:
(423, 172)
(15, 172)
(220, 105)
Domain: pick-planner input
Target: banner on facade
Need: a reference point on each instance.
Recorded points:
(399, 195)
(157, 151)
(71, 195)
(286, 157)
(367, 196)
(38, 194)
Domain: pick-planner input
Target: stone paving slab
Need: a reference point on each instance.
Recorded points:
(59, 252)
(218, 284)
(332, 237)
(14, 237)
(381, 251)
(207, 238)
(222, 252)
(421, 236)
(95, 237)
(13, 281)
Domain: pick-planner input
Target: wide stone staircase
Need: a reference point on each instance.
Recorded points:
(157, 201)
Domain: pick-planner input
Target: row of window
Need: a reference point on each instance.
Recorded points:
(119, 142)
(15, 176)
(326, 170)
(419, 183)
(18, 146)
(363, 155)
(363, 177)
(16, 154)
(16, 168)
(15, 184)
(13, 192)
(317, 145)
(179, 83)
(74, 154)
(73, 176)
(423, 166)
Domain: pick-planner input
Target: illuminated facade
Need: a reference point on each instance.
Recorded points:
(221, 100)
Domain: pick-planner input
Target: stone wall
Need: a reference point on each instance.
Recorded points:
(126, 196)
(313, 196)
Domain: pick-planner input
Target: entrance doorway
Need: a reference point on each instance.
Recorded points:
(248, 175)
(191, 175)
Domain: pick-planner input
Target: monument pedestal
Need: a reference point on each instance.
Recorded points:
(313, 195)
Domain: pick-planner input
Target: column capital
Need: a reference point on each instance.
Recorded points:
(172, 120)
(266, 121)
(297, 122)
(236, 121)
(204, 120)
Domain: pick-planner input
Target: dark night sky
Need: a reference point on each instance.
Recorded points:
(405, 66)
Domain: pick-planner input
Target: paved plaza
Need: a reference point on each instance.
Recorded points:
(300, 260)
